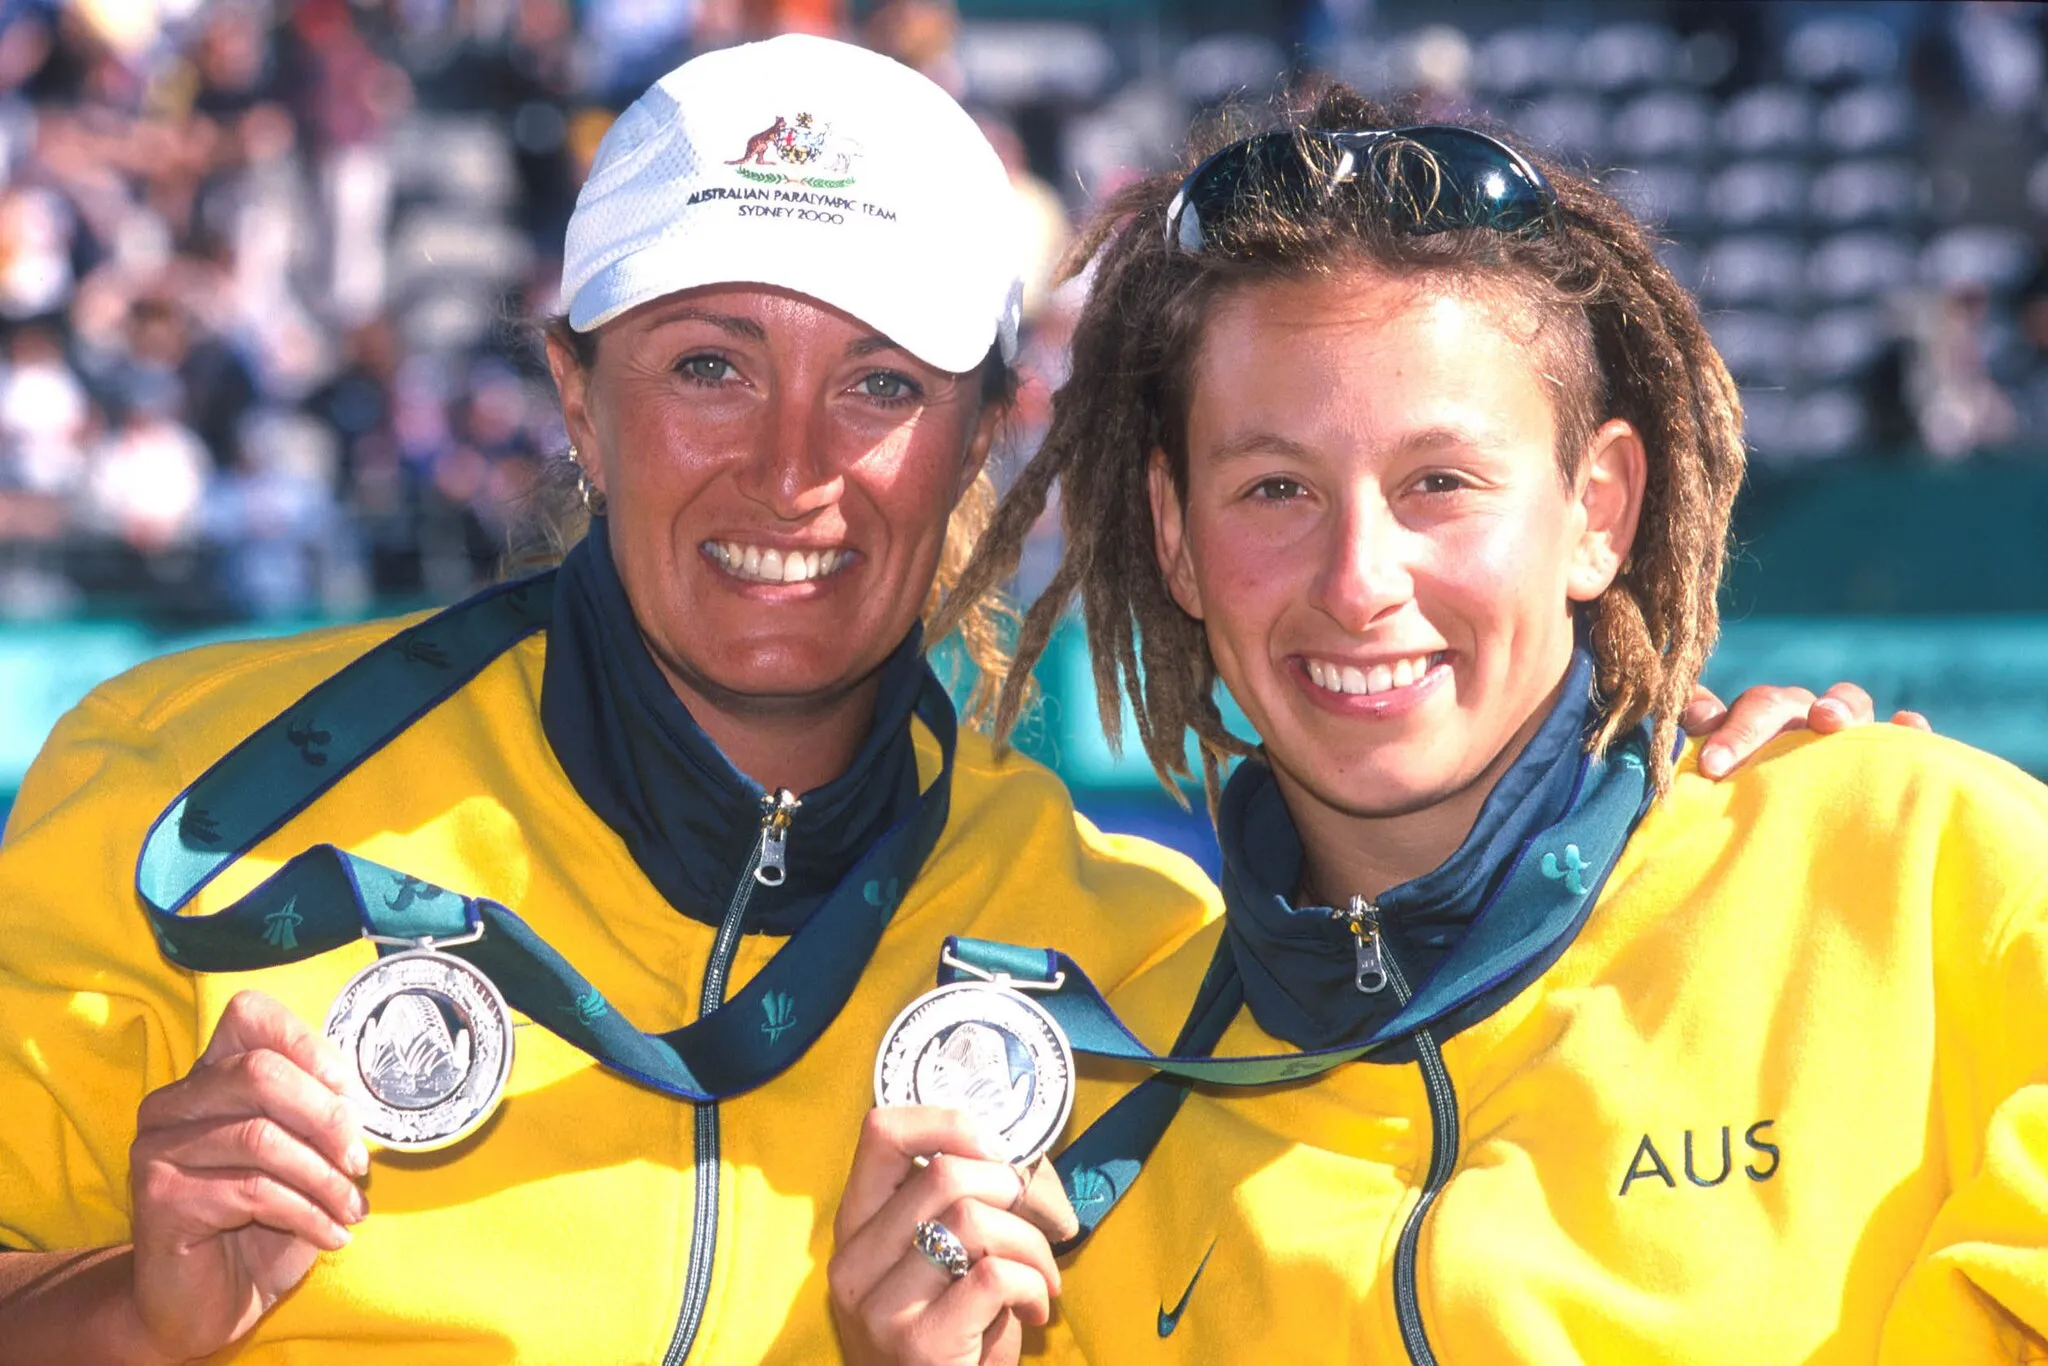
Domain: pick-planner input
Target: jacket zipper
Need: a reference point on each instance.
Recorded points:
(765, 867)
(1376, 970)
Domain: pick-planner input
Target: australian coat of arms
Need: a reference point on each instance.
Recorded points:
(807, 146)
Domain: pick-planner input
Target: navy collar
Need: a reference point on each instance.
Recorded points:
(687, 816)
(1298, 964)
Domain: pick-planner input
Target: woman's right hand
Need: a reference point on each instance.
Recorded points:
(894, 1304)
(242, 1174)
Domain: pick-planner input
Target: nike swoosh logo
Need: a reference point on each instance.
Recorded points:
(1170, 1321)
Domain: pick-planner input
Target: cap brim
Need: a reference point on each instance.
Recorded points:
(894, 298)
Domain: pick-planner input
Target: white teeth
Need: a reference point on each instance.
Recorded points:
(1379, 678)
(772, 565)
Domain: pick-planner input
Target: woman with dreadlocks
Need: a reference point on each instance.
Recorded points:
(1520, 1041)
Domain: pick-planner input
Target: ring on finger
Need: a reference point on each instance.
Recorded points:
(941, 1247)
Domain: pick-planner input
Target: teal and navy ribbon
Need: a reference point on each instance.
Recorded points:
(1542, 901)
(325, 897)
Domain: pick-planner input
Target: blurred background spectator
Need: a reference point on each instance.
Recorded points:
(265, 265)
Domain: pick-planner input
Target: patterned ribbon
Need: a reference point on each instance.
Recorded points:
(324, 897)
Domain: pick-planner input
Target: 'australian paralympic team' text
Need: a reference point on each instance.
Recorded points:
(799, 204)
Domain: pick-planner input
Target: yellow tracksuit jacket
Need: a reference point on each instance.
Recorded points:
(1783, 1099)
(561, 1232)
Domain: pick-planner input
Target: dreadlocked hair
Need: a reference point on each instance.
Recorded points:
(1617, 335)
(555, 519)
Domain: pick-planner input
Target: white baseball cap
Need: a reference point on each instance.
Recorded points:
(813, 166)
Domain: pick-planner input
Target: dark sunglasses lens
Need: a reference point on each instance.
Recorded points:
(1467, 180)
(1272, 171)
(1432, 179)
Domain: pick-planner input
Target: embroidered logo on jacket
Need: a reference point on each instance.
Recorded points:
(1170, 1319)
(1649, 1163)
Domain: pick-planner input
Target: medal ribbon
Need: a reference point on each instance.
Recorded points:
(1537, 907)
(324, 897)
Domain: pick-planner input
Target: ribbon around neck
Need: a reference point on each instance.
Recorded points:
(1549, 889)
(324, 897)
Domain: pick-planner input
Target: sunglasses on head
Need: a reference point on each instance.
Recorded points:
(1428, 178)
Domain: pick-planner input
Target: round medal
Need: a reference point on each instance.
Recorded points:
(431, 1041)
(985, 1049)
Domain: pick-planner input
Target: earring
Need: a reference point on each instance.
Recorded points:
(593, 496)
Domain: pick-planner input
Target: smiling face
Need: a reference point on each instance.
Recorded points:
(778, 479)
(1379, 541)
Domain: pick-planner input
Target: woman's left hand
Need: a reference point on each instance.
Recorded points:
(1766, 711)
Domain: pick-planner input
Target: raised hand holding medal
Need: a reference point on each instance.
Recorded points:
(429, 1040)
(949, 1214)
(985, 1048)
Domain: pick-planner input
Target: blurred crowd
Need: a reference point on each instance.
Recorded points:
(268, 267)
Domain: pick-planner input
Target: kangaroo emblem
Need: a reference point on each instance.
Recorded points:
(758, 145)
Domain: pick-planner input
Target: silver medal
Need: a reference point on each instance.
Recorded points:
(430, 1038)
(985, 1049)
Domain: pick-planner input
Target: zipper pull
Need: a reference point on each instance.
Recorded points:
(775, 813)
(1363, 918)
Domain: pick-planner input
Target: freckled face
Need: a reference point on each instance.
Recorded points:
(1376, 535)
(778, 479)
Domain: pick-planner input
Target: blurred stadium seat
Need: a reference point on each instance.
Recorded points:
(1841, 48)
(1664, 123)
(1754, 268)
(1758, 194)
(1767, 118)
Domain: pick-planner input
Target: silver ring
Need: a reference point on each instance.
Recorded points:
(942, 1247)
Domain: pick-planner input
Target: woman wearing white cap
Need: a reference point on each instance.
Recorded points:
(655, 845)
